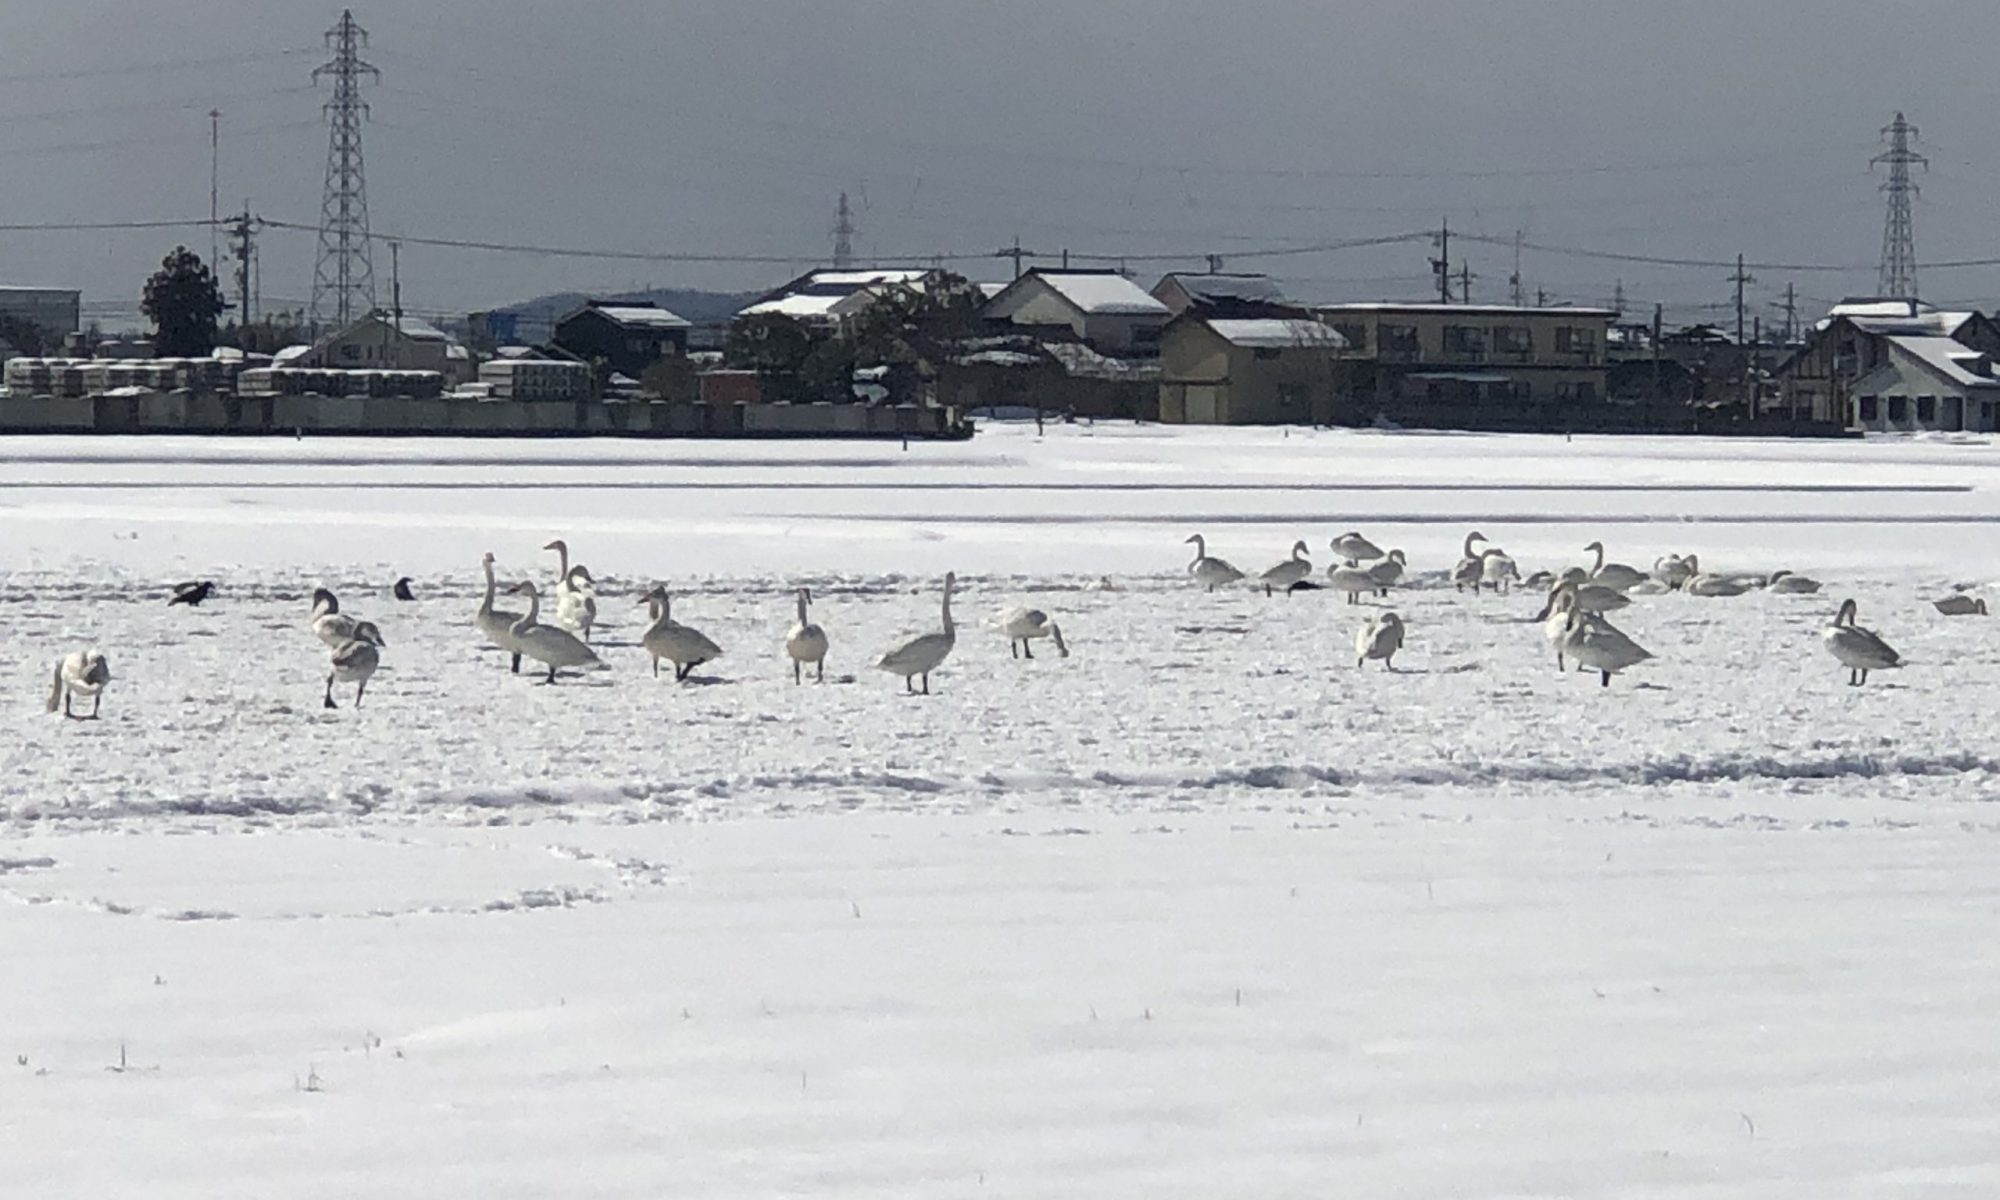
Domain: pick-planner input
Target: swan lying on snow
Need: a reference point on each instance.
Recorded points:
(1859, 650)
(80, 673)
(1960, 605)
(1786, 583)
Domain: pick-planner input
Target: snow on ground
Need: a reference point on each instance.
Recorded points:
(1200, 910)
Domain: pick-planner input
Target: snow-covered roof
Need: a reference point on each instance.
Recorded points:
(1261, 288)
(1925, 324)
(1102, 294)
(1476, 310)
(649, 316)
(420, 330)
(290, 354)
(1954, 360)
(797, 305)
(1080, 360)
(1277, 333)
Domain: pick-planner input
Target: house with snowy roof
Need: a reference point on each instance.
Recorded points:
(628, 335)
(822, 300)
(1102, 309)
(1265, 370)
(382, 342)
(1222, 294)
(1895, 364)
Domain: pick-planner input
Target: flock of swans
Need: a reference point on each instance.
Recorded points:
(1575, 618)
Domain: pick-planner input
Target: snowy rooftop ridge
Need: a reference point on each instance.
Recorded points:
(650, 316)
(1277, 333)
(1952, 359)
(1104, 294)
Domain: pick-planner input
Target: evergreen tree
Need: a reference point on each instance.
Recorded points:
(184, 302)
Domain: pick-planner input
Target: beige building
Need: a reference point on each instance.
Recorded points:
(1104, 310)
(1885, 365)
(1249, 371)
(1439, 358)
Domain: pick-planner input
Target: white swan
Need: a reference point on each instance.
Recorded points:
(1673, 570)
(576, 603)
(1497, 570)
(1702, 583)
(328, 623)
(1556, 620)
(1023, 625)
(497, 624)
(355, 660)
(552, 647)
(1960, 605)
(1287, 573)
(1470, 565)
(1352, 579)
(1355, 548)
(806, 642)
(1601, 647)
(1379, 638)
(1613, 575)
(80, 673)
(681, 645)
(918, 656)
(1211, 573)
(1593, 598)
(1859, 650)
(1789, 584)
(1389, 571)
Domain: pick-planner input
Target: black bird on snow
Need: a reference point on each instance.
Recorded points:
(402, 589)
(191, 594)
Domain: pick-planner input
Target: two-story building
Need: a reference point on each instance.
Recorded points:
(1886, 365)
(629, 336)
(1270, 370)
(1102, 309)
(1446, 360)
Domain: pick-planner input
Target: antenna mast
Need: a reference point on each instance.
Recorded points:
(343, 275)
(1899, 233)
(843, 235)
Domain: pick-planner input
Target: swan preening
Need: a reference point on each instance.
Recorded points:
(1293, 570)
(355, 660)
(1210, 573)
(805, 643)
(1379, 638)
(552, 647)
(80, 673)
(916, 657)
(1599, 646)
(1023, 625)
(1859, 650)
(1960, 605)
(681, 645)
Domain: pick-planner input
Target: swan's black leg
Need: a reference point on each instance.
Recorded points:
(797, 677)
(68, 714)
(517, 663)
(910, 684)
(821, 667)
(927, 683)
(552, 675)
(1607, 678)
(329, 693)
(1014, 647)
(96, 702)
(359, 690)
(1027, 648)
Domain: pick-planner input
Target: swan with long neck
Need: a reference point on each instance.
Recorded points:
(1614, 574)
(497, 624)
(328, 623)
(1210, 573)
(681, 645)
(806, 642)
(1285, 574)
(576, 596)
(1601, 647)
(1591, 598)
(1859, 650)
(355, 660)
(1470, 565)
(916, 657)
(1388, 572)
(552, 647)
(1023, 625)
(80, 673)
(1702, 583)
(1351, 578)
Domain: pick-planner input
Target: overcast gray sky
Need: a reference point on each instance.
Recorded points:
(1695, 129)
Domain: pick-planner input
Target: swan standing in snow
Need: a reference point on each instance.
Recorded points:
(1497, 570)
(1789, 584)
(576, 593)
(1354, 548)
(1379, 638)
(1601, 647)
(329, 624)
(1352, 579)
(1960, 605)
(1556, 620)
(916, 657)
(1287, 573)
(1210, 573)
(1470, 565)
(1859, 650)
(1613, 575)
(497, 624)
(552, 647)
(1388, 572)
(1023, 625)
(805, 643)
(80, 673)
(355, 660)
(681, 645)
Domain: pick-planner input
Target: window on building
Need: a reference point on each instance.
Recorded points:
(1927, 409)
(1464, 342)
(1356, 334)
(1513, 341)
(1266, 353)
(1899, 408)
(1146, 335)
(1400, 342)
(1869, 408)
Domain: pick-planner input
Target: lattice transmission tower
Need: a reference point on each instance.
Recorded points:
(343, 273)
(1899, 233)
(843, 235)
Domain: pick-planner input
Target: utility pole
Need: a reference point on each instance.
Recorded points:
(1790, 307)
(1898, 278)
(1214, 264)
(344, 272)
(843, 235)
(1514, 280)
(396, 283)
(1739, 279)
(245, 253)
(214, 187)
(1659, 320)
(1441, 265)
(1464, 284)
(1016, 253)
(1618, 298)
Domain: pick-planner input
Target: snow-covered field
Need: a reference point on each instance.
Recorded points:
(1199, 911)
